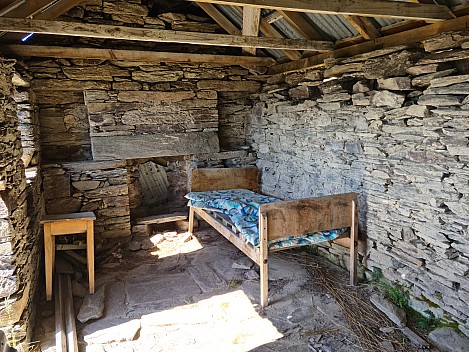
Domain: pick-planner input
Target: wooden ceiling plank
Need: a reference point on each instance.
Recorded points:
(251, 23)
(156, 35)
(131, 55)
(366, 8)
(301, 25)
(220, 18)
(406, 37)
(363, 26)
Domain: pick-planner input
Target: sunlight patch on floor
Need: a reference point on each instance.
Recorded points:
(225, 322)
(170, 247)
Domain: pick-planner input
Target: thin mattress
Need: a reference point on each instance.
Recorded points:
(242, 207)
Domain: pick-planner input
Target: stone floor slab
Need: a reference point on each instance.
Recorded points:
(161, 287)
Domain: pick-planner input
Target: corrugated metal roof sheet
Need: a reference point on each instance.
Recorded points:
(334, 26)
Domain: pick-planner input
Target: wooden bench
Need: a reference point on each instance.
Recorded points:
(67, 224)
(160, 219)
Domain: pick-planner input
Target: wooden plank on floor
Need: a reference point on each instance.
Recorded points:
(70, 327)
(60, 338)
(161, 219)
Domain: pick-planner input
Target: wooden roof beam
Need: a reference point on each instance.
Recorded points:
(402, 38)
(40, 9)
(220, 18)
(251, 22)
(269, 31)
(365, 8)
(130, 55)
(156, 35)
(363, 26)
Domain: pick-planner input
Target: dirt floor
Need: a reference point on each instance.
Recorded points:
(168, 292)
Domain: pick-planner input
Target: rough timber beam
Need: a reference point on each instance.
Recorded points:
(269, 31)
(130, 55)
(363, 26)
(156, 35)
(366, 8)
(220, 18)
(40, 9)
(407, 37)
(251, 21)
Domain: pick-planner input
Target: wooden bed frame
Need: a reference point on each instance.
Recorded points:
(279, 219)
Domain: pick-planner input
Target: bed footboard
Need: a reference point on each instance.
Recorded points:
(310, 215)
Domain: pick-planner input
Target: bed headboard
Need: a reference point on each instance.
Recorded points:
(225, 178)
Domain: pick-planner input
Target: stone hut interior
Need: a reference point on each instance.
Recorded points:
(348, 118)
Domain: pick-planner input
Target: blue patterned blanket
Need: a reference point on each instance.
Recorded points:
(242, 206)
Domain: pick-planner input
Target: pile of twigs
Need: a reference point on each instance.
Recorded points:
(363, 320)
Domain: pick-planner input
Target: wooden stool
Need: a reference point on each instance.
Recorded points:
(67, 224)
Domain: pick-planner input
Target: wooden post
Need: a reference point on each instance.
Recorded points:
(90, 253)
(263, 263)
(353, 244)
(191, 220)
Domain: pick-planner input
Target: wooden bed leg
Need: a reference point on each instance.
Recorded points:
(353, 244)
(191, 220)
(264, 262)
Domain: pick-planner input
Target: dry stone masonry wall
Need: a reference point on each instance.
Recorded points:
(100, 187)
(392, 125)
(113, 101)
(21, 207)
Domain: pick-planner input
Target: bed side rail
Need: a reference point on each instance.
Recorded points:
(309, 215)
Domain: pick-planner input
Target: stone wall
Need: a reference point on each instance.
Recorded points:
(393, 126)
(21, 207)
(100, 187)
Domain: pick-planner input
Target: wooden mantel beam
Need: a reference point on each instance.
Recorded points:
(366, 8)
(402, 38)
(156, 35)
(130, 55)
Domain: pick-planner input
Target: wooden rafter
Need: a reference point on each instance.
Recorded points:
(364, 26)
(130, 55)
(406, 37)
(301, 25)
(366, 8)
(156, 35)
(251, 22)
(220, 18)
(269, 31)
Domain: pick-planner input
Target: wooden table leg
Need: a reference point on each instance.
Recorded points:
(90, 253)
(48, 255)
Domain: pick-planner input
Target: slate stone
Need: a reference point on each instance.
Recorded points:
(448, 340)
(440, 100)
(389, 99)
(393, 312)
(206, 278)
(395, 83)
(93, 306)
(243, 263)
(111, 330)
(142, 290)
